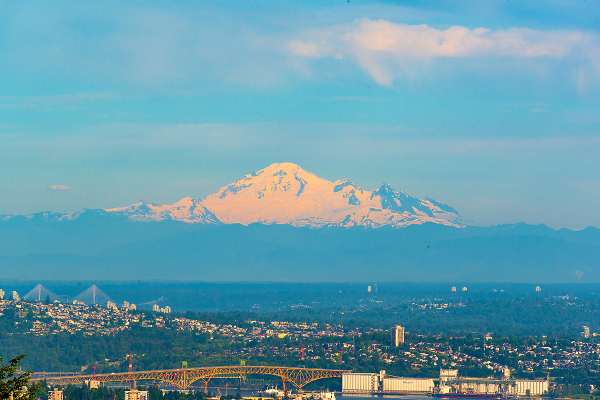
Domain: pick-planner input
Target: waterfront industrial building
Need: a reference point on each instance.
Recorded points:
(449, 382)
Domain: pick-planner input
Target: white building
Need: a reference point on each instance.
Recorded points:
(408, 385)
(15, 296)
(453, 288)
(111, 305)
(448, 375)
(397, 335)
(360, 383)
(126, 305)
(135, 394)
(531, 388)
(166, 310)
(132, 307)
(585, 331)
(464, 289)
(2, 294)
(93, 384)
(155, 308)
(55, 394)
(538, 289)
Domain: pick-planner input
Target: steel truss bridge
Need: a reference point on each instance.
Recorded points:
(183, 378)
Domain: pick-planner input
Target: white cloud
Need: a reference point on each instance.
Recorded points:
(380, 46)
(58, 187)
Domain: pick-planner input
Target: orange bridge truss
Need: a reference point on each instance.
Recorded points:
(183, 378)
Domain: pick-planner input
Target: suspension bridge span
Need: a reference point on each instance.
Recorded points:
(183, 378)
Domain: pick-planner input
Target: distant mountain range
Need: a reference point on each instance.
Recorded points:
(264, 228)
(286, 194)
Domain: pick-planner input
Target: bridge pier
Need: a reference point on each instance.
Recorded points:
(284, 389)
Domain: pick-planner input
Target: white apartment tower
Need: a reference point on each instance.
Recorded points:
(397, 335)
(586, 331)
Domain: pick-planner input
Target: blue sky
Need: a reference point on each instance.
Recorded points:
(490, 106)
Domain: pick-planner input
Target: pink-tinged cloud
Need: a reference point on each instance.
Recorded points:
(58, 187)
(380, 46)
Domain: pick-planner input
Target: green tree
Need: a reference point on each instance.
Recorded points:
(13, 383)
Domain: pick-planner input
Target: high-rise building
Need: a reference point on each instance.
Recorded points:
(368, 288)
(586, 331)
(167, 310)
(126, 305)
(111, 305)
(538, 289)
(155, 307)
(464, 289)
(2, 294)
(55, 394)
(397, 335)
(132, 307)
(15, 296)
(453, 288)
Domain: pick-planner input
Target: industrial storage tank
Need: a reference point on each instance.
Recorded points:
(360, 383)
(408, 385)
(478, 387)
(535, 388)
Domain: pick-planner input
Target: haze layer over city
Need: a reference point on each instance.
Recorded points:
(299, 200)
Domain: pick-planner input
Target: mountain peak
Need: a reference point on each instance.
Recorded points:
(284, 193)
(284, 166)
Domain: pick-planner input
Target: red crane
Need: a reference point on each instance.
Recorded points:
(130, 370)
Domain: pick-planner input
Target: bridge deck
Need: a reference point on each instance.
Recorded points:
(183, 378)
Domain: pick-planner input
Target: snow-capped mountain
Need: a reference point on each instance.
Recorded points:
(284, 193)
(186, 209)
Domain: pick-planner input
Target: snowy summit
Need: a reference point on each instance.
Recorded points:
(284, 193)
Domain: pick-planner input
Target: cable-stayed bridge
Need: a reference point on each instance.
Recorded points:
(40, 293)
(183, 378)
(93, 295)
